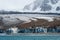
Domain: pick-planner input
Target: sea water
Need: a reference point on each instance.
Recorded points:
(29, 37)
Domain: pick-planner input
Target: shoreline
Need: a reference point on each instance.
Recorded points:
(31, 34)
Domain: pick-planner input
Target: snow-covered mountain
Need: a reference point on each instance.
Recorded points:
(43, 6)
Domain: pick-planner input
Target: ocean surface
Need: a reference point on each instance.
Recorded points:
(29, 37)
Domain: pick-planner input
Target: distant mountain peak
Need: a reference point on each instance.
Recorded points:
(43, 5)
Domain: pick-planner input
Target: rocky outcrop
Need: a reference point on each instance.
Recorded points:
(40, 23)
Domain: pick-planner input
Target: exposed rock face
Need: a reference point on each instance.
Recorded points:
(1, 23)
(41, 23)
(46, 7)
(26, 25)
(58, 8)
(54, 1)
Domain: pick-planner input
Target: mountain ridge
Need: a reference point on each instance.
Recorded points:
(43, 6)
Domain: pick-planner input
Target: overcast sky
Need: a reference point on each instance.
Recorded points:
(15, 5)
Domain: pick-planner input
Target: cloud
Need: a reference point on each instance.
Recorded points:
(15, 5)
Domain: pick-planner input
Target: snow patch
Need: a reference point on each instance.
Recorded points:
(46, 18)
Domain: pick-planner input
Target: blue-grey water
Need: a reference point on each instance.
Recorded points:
(29, 37)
